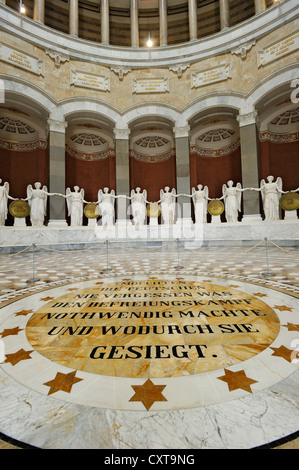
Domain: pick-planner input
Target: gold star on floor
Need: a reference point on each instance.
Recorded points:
(47, 298)
(283, 352)
(148, 393)
(10, 332)
(283, 308)
(292, 327)
(62, 382)
(23, 313)
(259, 294)
(18, 356)
(237, 380)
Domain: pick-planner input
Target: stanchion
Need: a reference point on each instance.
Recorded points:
(268, 272)
(33, 279)
(178, 255)
(107, 257)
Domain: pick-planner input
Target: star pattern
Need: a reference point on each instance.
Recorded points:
(283, 352)
(10, 331)
(283, 308)
(20, 355)
(292, 327)
(62, 382)
(259, 294)
(148, 393)
(23, 313)
(237, 380)
(47, 298)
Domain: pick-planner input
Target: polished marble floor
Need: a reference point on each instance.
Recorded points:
(248, 398)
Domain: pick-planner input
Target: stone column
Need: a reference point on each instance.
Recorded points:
(134, 23)
(259, 5)
(224, 14)
(57, 172)
(105, 22)
(74, 18)
(163, 22)
(183, 169)
(122, 170)
(39, 11)
(192, 10)
(249, 142)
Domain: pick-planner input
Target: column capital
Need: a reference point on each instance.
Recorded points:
(248, 118)
(123, 133)
(57, 126)
(182, 131)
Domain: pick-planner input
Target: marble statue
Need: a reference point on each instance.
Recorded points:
(138, 201)
(200, 201)
(37, 199)
(106, 205)
(75, 200)
(168, 200)
(271, 192)
(232, 200)
(4, 196)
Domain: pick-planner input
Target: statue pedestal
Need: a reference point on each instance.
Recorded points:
(290, 215)
(216, 219)
(19, 222)
(57, 223)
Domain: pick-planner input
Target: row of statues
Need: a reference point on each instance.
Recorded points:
(37, 196)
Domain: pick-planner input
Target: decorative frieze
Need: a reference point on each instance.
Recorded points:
(21, 59)
(278, 49)
(286, 138)
(212, 75)
(23, 146)
(147, 158)
(151, 85)
(90, 156)
(90, 80)
(210, 152)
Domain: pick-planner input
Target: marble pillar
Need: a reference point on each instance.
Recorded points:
(105, 22)
(224, 14)
(39, 11)
(57, 172)
(259, 5)
(192, 11)
(163, 22)
(122, 170)
(250, 165)
(134, 23)
(74, 18)
(183, 169)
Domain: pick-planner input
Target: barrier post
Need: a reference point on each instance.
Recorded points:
(33, 266)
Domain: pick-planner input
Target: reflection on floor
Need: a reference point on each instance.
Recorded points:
(48, 399)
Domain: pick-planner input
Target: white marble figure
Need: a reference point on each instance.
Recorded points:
(271, 192)
(106, 205)
(138, 201)
(37, 199)
(75, 200)
(4, 196)
(232, 200)
(200, 201)
(168, 200)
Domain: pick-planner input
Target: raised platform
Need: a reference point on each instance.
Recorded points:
(281, 232)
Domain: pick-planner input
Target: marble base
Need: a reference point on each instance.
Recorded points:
(283, 232)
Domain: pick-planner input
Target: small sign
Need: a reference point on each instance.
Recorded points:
(213, 75)
(90, 80)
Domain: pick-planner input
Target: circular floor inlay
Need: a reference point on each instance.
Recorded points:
(152, 328)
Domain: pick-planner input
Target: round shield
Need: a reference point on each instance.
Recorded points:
(92, 210)
(215, 207)
(289, 201)
(153, 209)
(19, 208)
